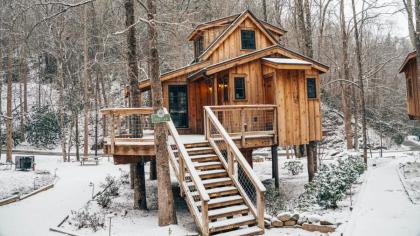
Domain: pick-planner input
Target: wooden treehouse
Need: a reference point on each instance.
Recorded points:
(243, 91)
(409, 68)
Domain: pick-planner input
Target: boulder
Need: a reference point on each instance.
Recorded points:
(302, 219)
(285, 216)
(290, 223)
(313, 218)
(326, 222)
(320, 228)
(267, 224)
(267, 217)
(295, 216)
(276, 222)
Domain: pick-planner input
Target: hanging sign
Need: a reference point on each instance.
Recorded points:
(160, 117)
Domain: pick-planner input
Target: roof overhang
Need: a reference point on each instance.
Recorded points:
(286, 63)
(410, 56)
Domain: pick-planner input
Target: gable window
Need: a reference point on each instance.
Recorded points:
(248, 39)
(410, 87)
(198, 46)
(311, 87)
(239, 87)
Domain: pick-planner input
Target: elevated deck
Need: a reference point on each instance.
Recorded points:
(254, 129)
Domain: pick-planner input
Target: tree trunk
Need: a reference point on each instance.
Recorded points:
(167, 214)
(77, 138)
(153, 174)
(360, 78)
(345, 76)
(308, 30)
(264, 9)
(300, 22)
(310, 149)
(408, 4)
(9, 119)
(86, 80)
(139, 190)
(1, 100)
(135, 128)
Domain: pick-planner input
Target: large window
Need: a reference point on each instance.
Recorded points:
(410, 87)
(311, 87)
(248, 39)
(239, 86)
(178, 105)
(198, 46)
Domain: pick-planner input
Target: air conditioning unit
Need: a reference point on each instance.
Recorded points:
(24, 162)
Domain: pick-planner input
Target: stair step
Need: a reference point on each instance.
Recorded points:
(254, 230)
(228, 211)
(208, 165)
(223, 201)
(204, 157)
(197, 144)
(218, 192)
(210, 174)
(209, 183)
(200, 150)
(231, 223)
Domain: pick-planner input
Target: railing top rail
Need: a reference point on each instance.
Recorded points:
(256, 106)
(188, 163)
(235, 149)
(128, 111)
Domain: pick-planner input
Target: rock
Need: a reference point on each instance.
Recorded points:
(313, 218)
(302, 219)
(267, 224)
(285, 216)
(276, 222)
(320, 228)
(295, 216)
(326, 222)
(267, 217)
(290, 223)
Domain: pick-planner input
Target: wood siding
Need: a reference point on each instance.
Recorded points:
(413, 99)
(231, 46)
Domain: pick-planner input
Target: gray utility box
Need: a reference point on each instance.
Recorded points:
(24, 162)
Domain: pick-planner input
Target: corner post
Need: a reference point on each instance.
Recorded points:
(205, 217)
(260, 209)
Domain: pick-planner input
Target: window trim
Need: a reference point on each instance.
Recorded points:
(244, 76)
(255, 39)
(315, 79)
(199, 40)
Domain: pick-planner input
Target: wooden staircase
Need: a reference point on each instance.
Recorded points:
(228, 213)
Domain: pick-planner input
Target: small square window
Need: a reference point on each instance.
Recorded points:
(198, 46)
(311, 87)
(248, 39)
(239, 85)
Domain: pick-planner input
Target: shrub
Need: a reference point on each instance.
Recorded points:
(43, 127)
(104, 199)
(331, 183)
(84, 219)
(112, 188)
(294, 167)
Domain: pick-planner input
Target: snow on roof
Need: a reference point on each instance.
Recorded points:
(286, 61)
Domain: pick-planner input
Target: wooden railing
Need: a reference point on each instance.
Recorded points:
(247, 120)
(126, 125)
(238, 168)
(182, 166)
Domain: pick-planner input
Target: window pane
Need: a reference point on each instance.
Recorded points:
(239, 85)
(311, 87)
(178, 105)
(248, 39)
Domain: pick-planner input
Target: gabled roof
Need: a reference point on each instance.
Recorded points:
(228, 20)
(231, 28)
(410, 56)
(206, 68)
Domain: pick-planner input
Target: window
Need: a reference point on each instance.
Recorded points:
(239, 86)
(311, 87)
(410, 87)
(198, 46)
(178, 105)
(248, 39)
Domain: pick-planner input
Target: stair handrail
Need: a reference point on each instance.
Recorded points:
(260, 189)
(185, 160)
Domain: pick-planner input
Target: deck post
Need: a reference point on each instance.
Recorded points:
(113, 134)
(260, 209)
(230, 163)
(275, 165)
(205, 217)
(242, 127)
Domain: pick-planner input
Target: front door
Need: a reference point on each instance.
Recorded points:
(178, 105)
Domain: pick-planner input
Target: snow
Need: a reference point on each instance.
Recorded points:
(287, 61)
(410, 175)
